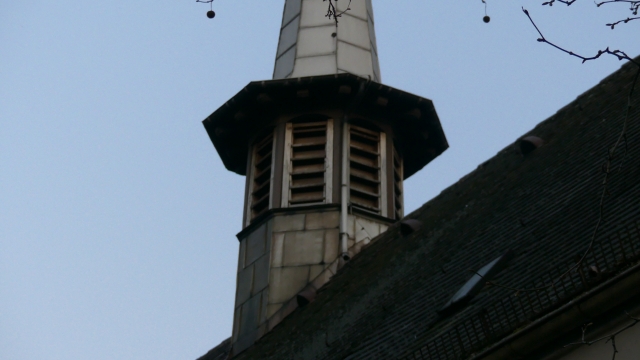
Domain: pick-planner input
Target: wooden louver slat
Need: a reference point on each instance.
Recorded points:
(262, 164)
(397, 185)
(364, 166)
(308, 162)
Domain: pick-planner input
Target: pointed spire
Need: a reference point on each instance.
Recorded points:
(311, 44)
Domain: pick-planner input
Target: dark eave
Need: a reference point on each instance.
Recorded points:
(414, 119)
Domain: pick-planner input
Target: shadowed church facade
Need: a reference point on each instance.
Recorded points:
(329, 266)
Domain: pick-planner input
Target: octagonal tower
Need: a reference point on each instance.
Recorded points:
(325, 148)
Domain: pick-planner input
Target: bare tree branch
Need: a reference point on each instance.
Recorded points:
(332, 12)
(606, 167)
(607, 338)
(613, 24)
(621, 55)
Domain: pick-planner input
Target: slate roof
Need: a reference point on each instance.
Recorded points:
(384, 303)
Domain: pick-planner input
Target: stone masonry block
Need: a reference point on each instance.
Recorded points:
(277, 249)
(366, 230)
(303, 247)
(244, 341)
(356, 31)
(271, 309)
(236, 323)
(269, 235)
(314, 271)
(334, 266)
(322, 279)
(286, 282)
(357, 247)
(331, 245)
(256, 244)
(288, 223)
(322, 220)
(245, 283)
(250, 315)
(309, 18)
(264, 303)
(242, 254)
(261, 274)
(351, 226)
(356, 8)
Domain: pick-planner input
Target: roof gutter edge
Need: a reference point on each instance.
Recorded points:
(575, 313)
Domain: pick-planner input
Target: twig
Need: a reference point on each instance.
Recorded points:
(332, 12)
(611, 153)
(606, 168)
(613, 24)
(634, 5)
(610, 337)
(621, 55)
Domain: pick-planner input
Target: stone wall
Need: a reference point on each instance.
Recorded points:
(361, 230)
(252, 285)
(287, 255)
(304, 245)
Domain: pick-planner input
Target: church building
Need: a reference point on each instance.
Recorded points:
(504, 264)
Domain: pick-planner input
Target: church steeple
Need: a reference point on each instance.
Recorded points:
(311, 44)
(325, 148)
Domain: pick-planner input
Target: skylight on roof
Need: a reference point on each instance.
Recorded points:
(477, 282)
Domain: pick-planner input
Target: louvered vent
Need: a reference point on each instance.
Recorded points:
(262, 164)
(307, 171)
(364, 160)
(398, 206)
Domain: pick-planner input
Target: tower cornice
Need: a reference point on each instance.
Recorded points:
(231, 127)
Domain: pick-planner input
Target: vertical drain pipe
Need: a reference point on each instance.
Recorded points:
(344, 192)
(344, 184)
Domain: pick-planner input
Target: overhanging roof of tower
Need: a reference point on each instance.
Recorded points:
(414, 119)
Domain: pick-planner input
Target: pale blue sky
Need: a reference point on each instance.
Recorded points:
(117, 218)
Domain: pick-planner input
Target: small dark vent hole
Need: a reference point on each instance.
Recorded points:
(409, 226)
(530, 143)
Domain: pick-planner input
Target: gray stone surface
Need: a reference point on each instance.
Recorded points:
(261, 274)
(264, 302)
(357, 8)
(284, 64)
(303, 247)
(286, 282)
(322, 278)
(310, 16)
(288, 36)
(307, 29)
(242, 254)
(250, 315)
(291, 10)
(245, 341)
(314, 271)
(288, 223)
(277, 253)
(322, 220)
(272, 308)
(236, 323)
(256, 244)
(316, 41)
(331, 245)
(351, 226)
(245, 283)
(366, 230)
